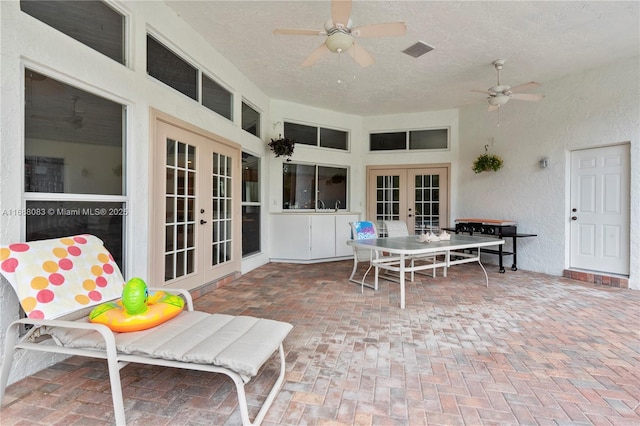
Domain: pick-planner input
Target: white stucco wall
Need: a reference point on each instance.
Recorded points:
(591, 109)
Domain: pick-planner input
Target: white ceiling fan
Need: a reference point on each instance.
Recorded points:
(340, 34)
(500, 94)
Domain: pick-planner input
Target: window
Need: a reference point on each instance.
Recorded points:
(314, 187)
(317, 136)
(171, 69)
(175, 72)
(412, 140)
(92, 23)
(388, 141)
(216, 98)
(429, 139)
(250, 120)
(250, 204)
(74, 165)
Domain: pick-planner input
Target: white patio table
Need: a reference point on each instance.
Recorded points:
(459, 249)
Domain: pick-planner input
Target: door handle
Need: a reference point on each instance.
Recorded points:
(202, 221)
(574, 218)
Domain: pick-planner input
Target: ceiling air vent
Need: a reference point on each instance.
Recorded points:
(418, 49)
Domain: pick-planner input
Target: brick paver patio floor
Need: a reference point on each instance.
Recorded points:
(529, 349)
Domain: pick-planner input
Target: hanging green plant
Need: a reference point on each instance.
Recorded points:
(487, 162)
(282, 147)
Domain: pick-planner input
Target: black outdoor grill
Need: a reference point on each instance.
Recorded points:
(502, 229)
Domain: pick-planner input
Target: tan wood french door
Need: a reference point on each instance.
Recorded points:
(600, 209)
(415, 194)
(196, 231)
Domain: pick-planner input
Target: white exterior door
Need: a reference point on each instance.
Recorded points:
(600, 192)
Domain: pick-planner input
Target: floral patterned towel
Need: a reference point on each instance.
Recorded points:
(55, 277)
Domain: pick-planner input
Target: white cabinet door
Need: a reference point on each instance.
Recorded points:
(291, 237)
(343, 233)
(323, 238)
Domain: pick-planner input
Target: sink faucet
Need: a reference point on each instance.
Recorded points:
(337, 205)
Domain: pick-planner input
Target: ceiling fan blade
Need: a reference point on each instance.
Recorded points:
(525, 87)
(527, 96)
(340, 12)
(486, 92)
(361, 55)
(298, 31)
(492, 108)
(317, 54)
(389, 29)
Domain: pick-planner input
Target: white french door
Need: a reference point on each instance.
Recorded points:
(600, 193)
(417, 195)
(196, 236)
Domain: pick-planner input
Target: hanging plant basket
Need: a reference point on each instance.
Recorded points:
(282, 147)
(487, 162)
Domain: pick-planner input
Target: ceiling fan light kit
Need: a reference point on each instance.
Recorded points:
(340, 34)
(339, 42)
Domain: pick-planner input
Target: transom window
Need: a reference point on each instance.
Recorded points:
(250, 119)
(317, 136)
(92, 23)
(430, 139)
(168, 67)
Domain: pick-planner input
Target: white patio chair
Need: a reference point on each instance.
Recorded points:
(362, 230)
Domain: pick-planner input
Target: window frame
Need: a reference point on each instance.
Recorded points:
(201, 73)
(123, 198)
(318, 132)
(125, 30)
(407, 139)
(246, 103)
(316, 187)
(258, 204)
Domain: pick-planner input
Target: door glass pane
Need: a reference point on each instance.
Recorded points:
(180, 177)
(221, 215)
(427, 199)
(388, 199)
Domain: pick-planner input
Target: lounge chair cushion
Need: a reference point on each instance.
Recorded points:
(239, 343)
(58, 276)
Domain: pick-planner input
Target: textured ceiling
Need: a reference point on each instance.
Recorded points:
(540, 40)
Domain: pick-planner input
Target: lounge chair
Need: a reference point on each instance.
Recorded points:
(59, 281)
